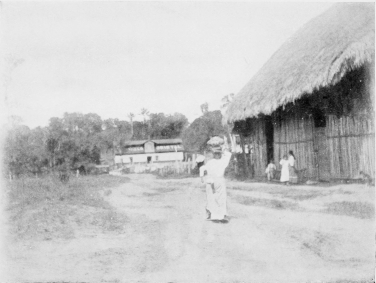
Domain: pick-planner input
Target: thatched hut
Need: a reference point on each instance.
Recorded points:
(315, 96)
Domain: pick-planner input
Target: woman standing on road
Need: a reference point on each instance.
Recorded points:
(216, 192)
(285, 177)
(293, 177)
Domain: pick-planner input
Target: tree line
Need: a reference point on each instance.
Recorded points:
(77, 139)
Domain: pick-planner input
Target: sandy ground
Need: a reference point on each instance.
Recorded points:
(275, 234)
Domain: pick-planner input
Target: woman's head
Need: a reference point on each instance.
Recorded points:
(284, 156)
(291, 153)
(217, 155)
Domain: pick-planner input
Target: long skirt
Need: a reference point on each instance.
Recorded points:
(292, 174)
(285, 174)
(216, 194)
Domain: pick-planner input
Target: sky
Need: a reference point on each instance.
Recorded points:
(113, 58)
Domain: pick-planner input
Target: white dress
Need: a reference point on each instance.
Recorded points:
(285, 176)
(216, 191)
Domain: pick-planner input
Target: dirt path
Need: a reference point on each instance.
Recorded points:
(272, 236)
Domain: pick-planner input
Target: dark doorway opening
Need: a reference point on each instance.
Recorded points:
(149, 159)
(320, 146)
(269, 133)
(319, 118)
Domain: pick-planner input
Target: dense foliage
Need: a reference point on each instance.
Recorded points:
(202, 129)
(78, 139)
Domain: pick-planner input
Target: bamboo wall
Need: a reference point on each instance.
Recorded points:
(257, 140)
(296, 134)
(351, 142)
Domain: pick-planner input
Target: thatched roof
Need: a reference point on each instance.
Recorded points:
(317, 55)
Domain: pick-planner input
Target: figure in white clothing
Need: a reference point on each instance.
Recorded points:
(285, 177)
(293, 177)
(216, 206)
(270, 170)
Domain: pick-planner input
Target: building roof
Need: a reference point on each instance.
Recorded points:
(168, 141)
(131, 143)
(319, 54)
(158, 142)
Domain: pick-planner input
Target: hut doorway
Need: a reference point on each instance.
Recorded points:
(320, 147)
(269, 134)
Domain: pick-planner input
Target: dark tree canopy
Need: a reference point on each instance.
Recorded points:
(202, 129)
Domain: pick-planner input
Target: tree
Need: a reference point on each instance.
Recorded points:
(202, 129)
(139, 132)
(204, 108)
(145, 113)
(75, 139)
(25, 150)
(131, 116)
(176, 123)
(16, 145)
(78, 139)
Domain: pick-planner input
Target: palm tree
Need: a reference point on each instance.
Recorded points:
(131, 116)
(145, 113)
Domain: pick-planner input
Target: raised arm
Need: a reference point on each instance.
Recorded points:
(226, 154)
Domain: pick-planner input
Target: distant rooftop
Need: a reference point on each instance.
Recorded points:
(162, 141)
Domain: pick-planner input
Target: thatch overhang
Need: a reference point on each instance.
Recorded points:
(318, 55)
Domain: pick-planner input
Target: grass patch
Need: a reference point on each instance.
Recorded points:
(84, 190)
(174, 176)
(166, 189)
(291, 193)
(270, 203)
(151, 194)
(354, 209)
(300, 195)
(44, 208)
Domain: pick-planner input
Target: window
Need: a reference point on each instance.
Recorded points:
(131, 159)
(156, 158)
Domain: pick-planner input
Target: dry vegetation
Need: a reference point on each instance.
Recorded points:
(44, 208)
(355, 209)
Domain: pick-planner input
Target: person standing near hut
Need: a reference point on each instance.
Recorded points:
(285, 176)
(293, 177)
(216, 192)
(270, 170)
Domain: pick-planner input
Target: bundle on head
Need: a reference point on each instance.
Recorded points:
(214, 145)
(216, 141)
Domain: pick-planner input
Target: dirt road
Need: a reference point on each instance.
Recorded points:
(275, 234)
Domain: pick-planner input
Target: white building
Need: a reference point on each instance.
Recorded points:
(151, 151)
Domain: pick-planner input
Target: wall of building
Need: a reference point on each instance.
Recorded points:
(351, 145)
(155, 157)
(348, 145)
(296, 134)
(257, 142)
